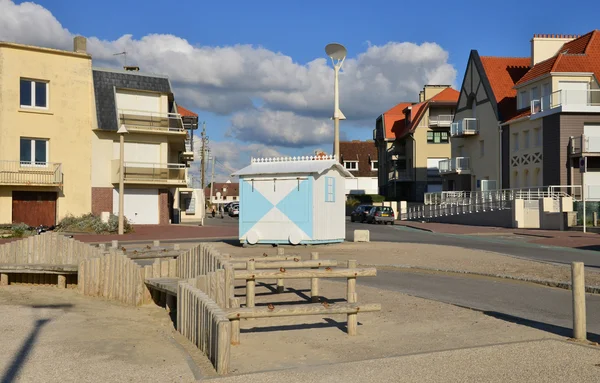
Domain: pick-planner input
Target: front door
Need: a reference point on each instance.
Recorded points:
(34, 208)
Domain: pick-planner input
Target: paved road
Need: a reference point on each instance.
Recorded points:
(545, 308)
(504, 246)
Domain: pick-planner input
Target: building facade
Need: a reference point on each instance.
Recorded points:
(142, 108)
(46, 119)
(361, 159)
(478, 143)
(222, 193)
(412, 140)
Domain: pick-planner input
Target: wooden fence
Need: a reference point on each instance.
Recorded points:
(204, 323)
(47, 248)
(113, 276)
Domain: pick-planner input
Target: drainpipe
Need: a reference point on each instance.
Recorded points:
(500, 157)
(414, 162)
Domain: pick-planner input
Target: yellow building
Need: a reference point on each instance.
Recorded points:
(413, 141)
(46, 118)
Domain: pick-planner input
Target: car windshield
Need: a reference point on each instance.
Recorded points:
(385, 209)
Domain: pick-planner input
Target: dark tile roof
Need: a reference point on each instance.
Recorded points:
(360, 151)
(105, 82)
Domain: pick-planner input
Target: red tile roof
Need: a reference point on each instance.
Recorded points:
(185, 112)
(394, 120)
(579, 55)
(233, 189)
(503, 73)
(518, 115)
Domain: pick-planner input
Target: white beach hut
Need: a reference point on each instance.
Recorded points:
(295, 201)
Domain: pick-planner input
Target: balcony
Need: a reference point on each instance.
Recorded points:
(151, 122)
(441, 121)
(585, 144)
(188, 154)
(566, 100)
(30, 173)
(459, 165)
(400, 175)
(464, 127)
(145, 173)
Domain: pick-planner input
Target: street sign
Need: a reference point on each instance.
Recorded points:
(583, 164)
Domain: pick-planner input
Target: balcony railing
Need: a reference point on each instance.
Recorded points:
(464, 127)
(455, 165)
(443, 120)
(585, 144)
(30, 173)
(140, 120)
(569, 100)
(151, 173)
(400, 175)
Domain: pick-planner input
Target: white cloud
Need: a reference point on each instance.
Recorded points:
(296, 99)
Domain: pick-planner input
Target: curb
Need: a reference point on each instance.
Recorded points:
(417, 228)
(168, 240)
(543, 282)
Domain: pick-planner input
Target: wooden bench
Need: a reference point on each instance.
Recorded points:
(38, 273)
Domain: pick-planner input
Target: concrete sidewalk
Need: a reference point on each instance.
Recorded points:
(535, 361)
(571, 239)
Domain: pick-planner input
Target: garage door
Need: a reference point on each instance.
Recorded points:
(140, 205)
(34, 208)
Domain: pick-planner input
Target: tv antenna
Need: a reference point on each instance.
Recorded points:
(124, 54)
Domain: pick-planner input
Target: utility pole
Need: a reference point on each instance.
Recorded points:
(212, 179)
(203, 155)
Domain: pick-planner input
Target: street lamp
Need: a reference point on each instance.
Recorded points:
(122, 130)
(337, 53)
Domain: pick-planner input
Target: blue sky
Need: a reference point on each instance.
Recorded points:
(298, 30)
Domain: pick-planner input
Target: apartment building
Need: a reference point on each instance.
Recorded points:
(360, 158)
(527, 122)
(157, 146)
(558, 120)
(478, 142)
(413, 140)
(46, 120)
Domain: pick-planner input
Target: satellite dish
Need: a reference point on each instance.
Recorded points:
(336, 51)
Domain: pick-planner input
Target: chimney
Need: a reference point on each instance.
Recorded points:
(80, 44)
(544, 46)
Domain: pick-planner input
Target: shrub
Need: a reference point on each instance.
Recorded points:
(89, 223)
(20, 230)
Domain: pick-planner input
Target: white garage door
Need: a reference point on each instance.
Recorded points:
(141, 205)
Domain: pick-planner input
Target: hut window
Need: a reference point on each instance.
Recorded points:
(329, 189)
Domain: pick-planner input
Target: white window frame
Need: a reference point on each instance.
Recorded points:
(346, 163)
(523, 99)
(32, 163)
(33, 82)
(373, 167)
(329, 189)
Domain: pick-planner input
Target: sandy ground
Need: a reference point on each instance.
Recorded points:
(406, 325)
(52, 335)
(446, 258)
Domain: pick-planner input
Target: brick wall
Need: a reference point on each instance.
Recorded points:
(163, 207)
(102, 200)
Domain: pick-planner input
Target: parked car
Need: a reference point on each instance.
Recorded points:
(381, 214)
(234, 210)
(359, 214)
(228, 206)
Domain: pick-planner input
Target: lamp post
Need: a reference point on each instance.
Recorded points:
(337, 53)
(122, 130)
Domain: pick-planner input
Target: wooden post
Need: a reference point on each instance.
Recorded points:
(314, 282)
(235, 323)
(62, 282)
(352, 298)
(579, 314)
(176, 247)
(156, 243)
(3, 279)
(250, 284)
(595, 215)
(114, 244)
